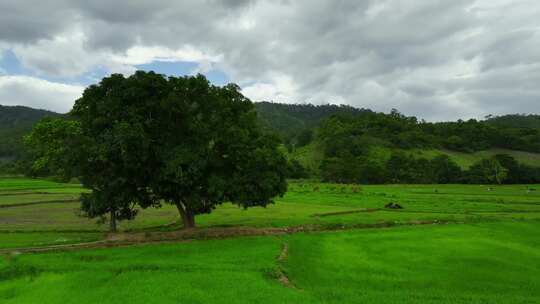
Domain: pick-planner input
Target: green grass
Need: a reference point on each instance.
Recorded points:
(482, 246)
(481, 263)
(39, 239)
(299, 207)
(11, 199)
(24, 184)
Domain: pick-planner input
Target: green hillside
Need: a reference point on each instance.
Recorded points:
(16, 121)
(465, 160)
(311, 156)
(289, 120)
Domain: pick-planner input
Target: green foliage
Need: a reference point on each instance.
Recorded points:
(51, 144)
(489, 171)
(209, 148)
(137, 140)
(399, 131)
(444, 170)
(304, 138)
(402, 168)
(296, 170)
(530, 121)
(502, 168)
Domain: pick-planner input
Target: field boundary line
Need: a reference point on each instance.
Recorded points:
(39, 203)
(280, 271)
(345, 212)
(141, 238)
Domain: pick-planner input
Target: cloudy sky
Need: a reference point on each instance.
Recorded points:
(439, 60)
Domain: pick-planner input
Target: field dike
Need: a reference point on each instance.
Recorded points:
(39, 203)
(280, 272)
(345, 212)
(154, 237)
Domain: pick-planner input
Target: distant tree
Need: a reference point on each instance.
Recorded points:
(372, 172)
(400, 168)
(304, 138)
(53, 145)
(455, 142)
(341, 169)
(514, 171)
(296, 170)
(444, 170)
(518, 173)
(488, 170)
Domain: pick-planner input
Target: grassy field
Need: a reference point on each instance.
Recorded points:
(476, 244)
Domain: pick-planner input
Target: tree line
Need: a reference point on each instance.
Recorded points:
(403, 168)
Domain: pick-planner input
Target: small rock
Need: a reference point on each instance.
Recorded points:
(392, 205)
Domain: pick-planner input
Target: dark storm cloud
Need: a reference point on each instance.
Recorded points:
(26, 21)
(436, 59)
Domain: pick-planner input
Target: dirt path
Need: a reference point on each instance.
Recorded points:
(280, 272)
(135, 238)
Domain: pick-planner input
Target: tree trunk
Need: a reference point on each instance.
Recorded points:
(188, 217)
(112, 222)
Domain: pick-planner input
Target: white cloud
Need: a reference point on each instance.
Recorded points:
(281, 88)
(62, 56)
(144, 54)
(436, 59)
(38, 93)
(67, 55)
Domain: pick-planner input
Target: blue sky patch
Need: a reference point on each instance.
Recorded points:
(10, 65)
(182, 68)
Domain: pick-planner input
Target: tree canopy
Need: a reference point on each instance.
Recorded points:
(146, 139)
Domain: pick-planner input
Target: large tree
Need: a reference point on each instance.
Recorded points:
(144, 139)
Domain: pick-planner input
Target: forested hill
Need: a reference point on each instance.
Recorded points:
(516, 121)
(296, 122)
(324, 134)
(15, 121)
(290, 120)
